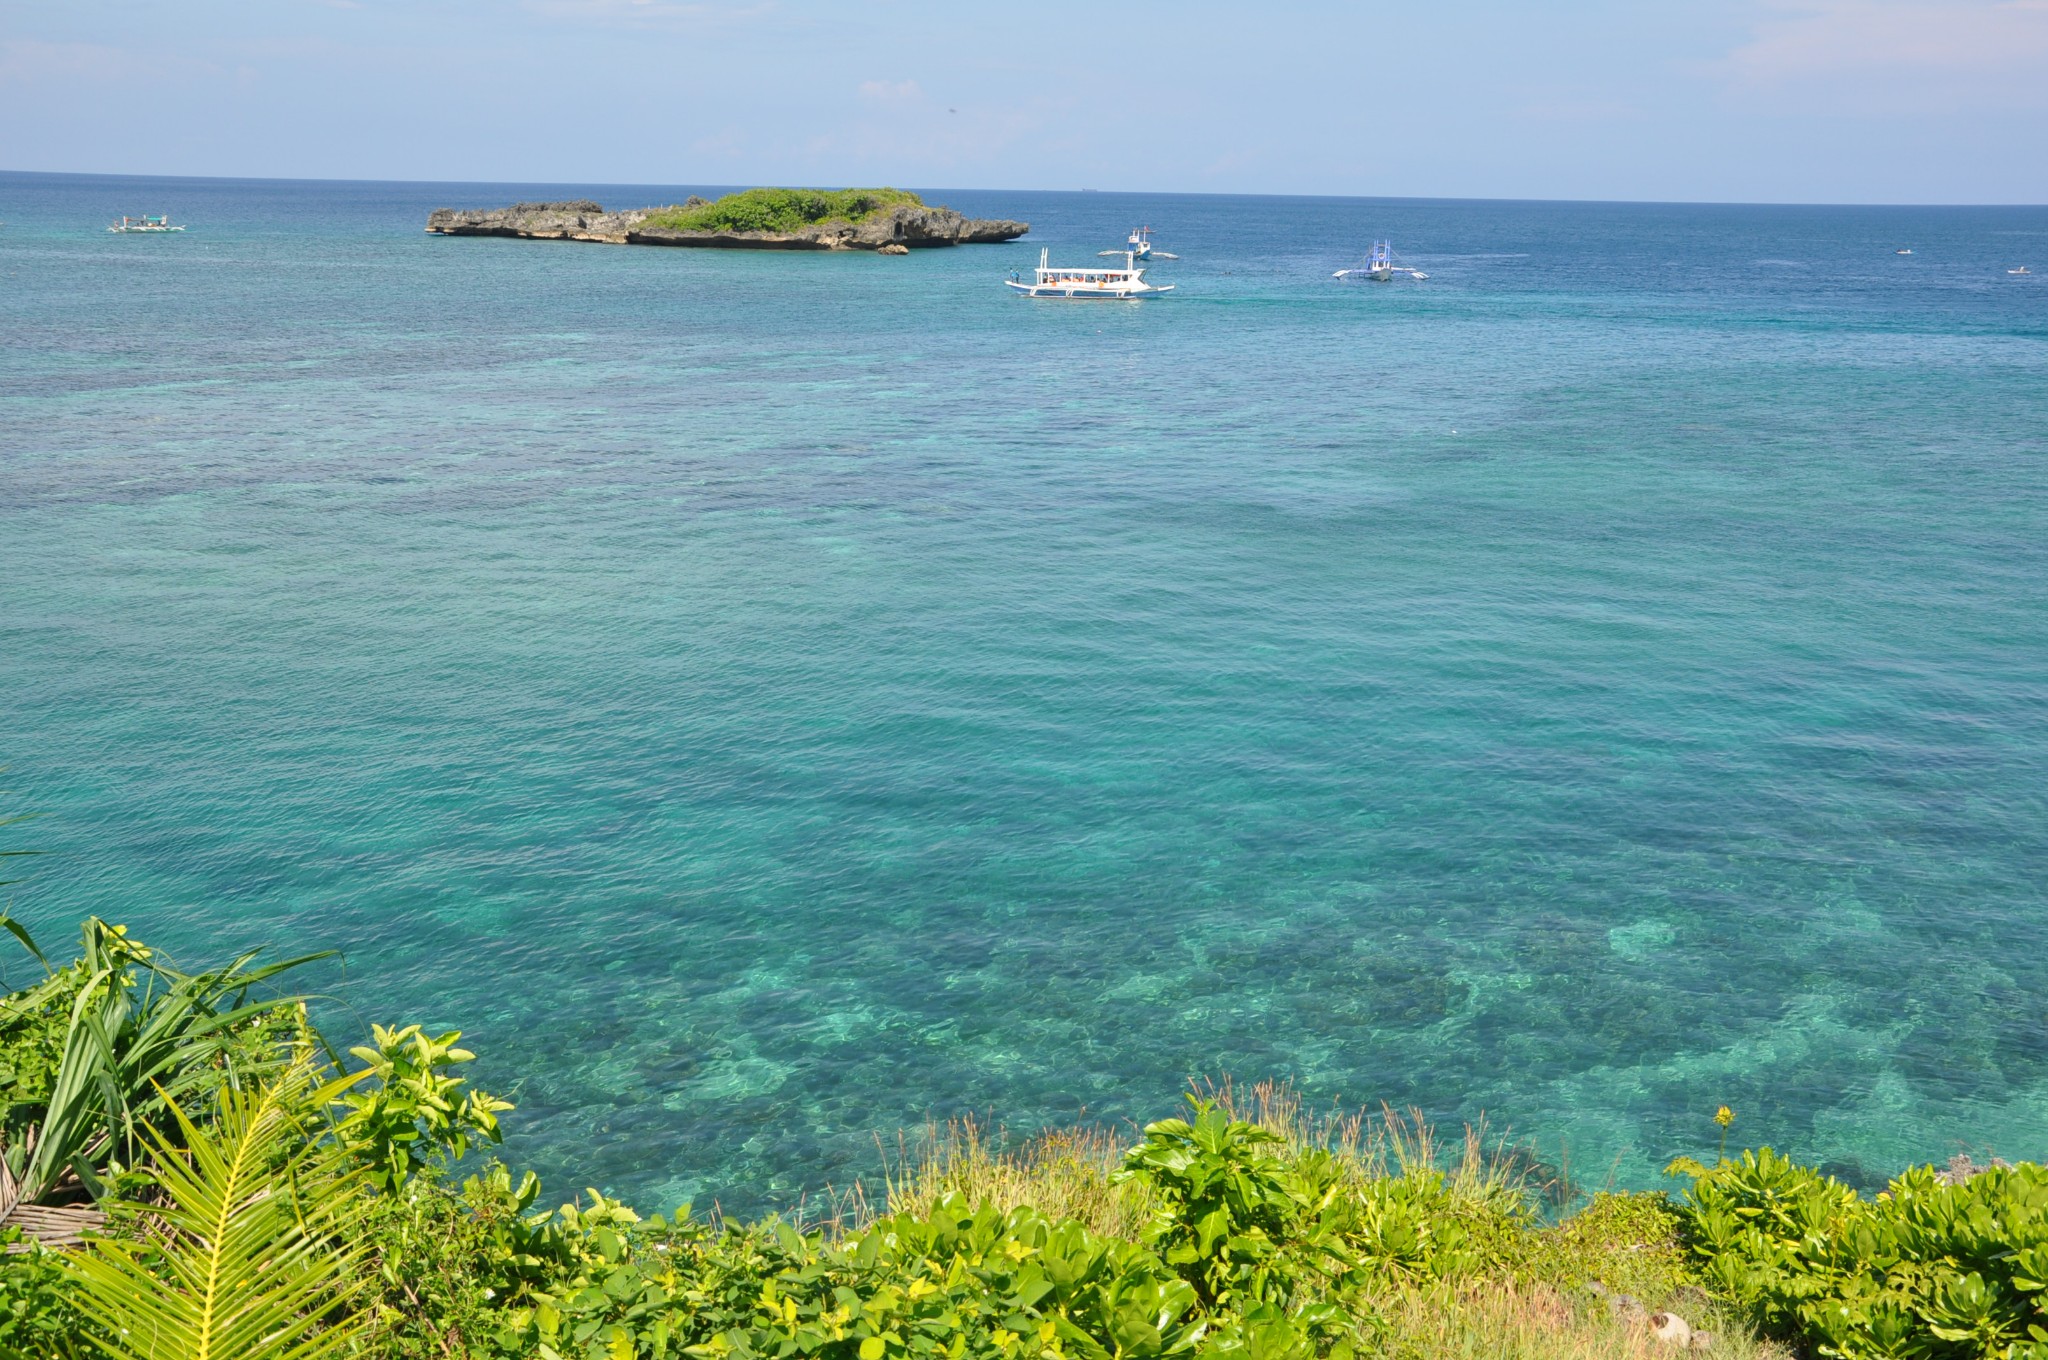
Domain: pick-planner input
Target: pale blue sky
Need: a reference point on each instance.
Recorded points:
(1895, 101)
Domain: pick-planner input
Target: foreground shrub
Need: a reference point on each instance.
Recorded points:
(411, 1111)
(956, 1282)
(1629, 1244)
(1246, 1225)
(446, 1263)
(39, 1317)
(1930, 1269)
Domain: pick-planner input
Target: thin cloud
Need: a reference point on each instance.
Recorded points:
(725, 144)
(647, 12)
(26, 60)
(1567, 110)
(891, 92)
(1955, 37)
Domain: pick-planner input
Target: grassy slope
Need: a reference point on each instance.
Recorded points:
(783, 210)
(1529, 1300)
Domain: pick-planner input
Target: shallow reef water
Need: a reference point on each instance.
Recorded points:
(768, 700)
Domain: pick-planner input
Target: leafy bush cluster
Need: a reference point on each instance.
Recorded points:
(955, 1282)
(783, 210)
(224, 1160)
(1251, 1251)
(1931, 1269)
(38, 1306)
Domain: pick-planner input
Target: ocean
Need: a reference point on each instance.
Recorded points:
(767, 701)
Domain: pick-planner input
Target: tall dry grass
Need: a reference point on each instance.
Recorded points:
(1068, 1173)
(1064, 1173)
(1497, 1321)
(1479, 1168)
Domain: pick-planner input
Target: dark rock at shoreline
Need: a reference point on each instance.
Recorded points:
(1961, 1170)
(581, 220)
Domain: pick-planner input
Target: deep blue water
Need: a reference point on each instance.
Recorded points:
(767, 699)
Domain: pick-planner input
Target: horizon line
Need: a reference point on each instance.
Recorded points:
(1173, 193)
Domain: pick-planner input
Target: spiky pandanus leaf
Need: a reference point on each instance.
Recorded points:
(254, 1258)
(142, 1036)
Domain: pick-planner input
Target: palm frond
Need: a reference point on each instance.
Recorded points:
(254, 1258)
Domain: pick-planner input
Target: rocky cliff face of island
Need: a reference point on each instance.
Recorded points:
(581, 220)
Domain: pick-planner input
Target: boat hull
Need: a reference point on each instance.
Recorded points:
(1080, 293)
(1380, 275)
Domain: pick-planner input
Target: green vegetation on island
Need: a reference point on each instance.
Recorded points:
(235, 1189)
(890, 221)
(781, 210)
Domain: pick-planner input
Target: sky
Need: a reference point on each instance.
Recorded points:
(1816, 101)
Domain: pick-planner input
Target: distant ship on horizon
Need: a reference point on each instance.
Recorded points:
(159, 223)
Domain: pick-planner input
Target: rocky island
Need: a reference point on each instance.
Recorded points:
(891, 221)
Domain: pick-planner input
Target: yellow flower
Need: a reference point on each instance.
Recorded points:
(1724, 1116)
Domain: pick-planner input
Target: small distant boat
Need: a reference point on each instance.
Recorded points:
(1379, 266)
(1089, 284)
(153, 224)
(1139, 247)
(2021, 270)
(1907, 251)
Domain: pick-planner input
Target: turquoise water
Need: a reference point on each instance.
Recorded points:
(766, 699)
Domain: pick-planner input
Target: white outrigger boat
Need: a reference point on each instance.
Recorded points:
(1110, 284)
(158, 223)
(1379, 266)
(1140, 247)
